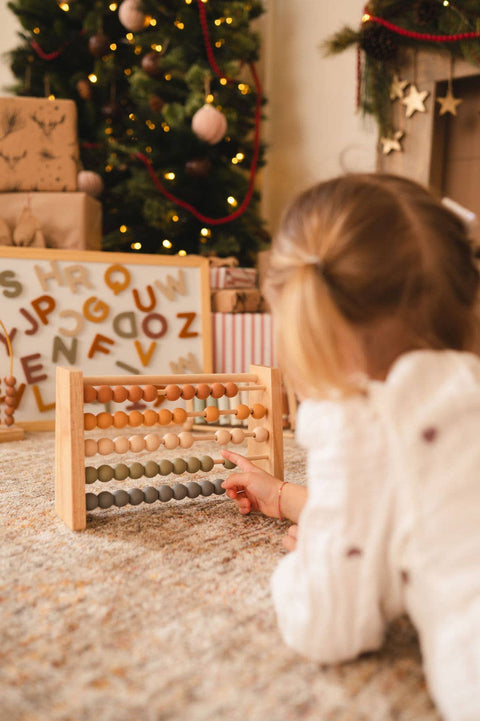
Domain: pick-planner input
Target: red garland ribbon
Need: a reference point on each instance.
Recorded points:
(427, 37)
(256, 141)
(46, 56)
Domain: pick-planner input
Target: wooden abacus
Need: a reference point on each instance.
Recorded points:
(264, 433)
(9, 431)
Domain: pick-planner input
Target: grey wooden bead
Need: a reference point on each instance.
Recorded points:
(151, 494)
(105, 499)
(179, 466)
(165, 493)
(207, 488)
(91, 501)
(121, 471)
(229, 464)
(206, 463)
(136, 470)
(120, 497)
(151, 469)
(91, 474)
(193, 464)
(218, 486)
(105, 474)
(179, 491)
(136, 496)
(165, 467)
(193, 489)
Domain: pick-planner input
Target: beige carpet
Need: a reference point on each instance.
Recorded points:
(163, 613)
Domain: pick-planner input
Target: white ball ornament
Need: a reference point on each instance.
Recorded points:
(209, 124)
(132, 17)
(90, 182)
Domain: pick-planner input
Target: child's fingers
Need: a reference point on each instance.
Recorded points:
(237, 481)
(243, 463)
(289, 542)
(293, 531)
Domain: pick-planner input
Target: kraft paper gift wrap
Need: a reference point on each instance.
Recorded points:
(247, 300)
(233, 278)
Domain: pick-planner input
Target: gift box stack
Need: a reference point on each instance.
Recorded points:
(40, 204)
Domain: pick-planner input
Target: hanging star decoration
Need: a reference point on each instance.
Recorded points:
(391, 143)
(397, 88)
(415, 101)
(448, 104)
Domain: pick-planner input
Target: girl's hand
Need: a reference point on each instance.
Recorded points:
(290, 538)
(252, 488)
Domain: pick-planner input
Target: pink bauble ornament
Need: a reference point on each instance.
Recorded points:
(89, 182)
(209, 124)
(132, 17)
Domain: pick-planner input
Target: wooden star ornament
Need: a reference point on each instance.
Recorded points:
(448, 104)
(391, 143)
(397, 88)
(415, 101)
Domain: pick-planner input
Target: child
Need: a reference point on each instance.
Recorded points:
(374, 290)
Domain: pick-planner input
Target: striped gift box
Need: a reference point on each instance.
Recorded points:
(240, 339)
(233, 278)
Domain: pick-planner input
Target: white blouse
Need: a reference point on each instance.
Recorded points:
(392, 525)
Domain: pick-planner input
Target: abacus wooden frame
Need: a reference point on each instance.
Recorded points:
(70, 504)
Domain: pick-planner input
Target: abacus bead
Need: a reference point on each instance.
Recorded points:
(152, 441)
(218, 486)
(119, 394)
(135, 394)
(193, 464)
(91, 474)
(179, 466)
(203, 391)
(135, 496)
(150, 393)
(260, 434)
(193, 489)
(120, 497)
(9, 410)
(89, 394)
(104, 420)
(150, 494)
(136, 443)
(170, 441)
(242, 411)
(121, 444)
(217, 390)
(165, 467)
(188, 391)
(211, 414)
(135, 418)
(222, 436)
(121, 471)
(206, 463)
(105, 446)
(179, 416)
(105, 473)
(173, 392)
(207, 488)
(120, 419)
(229, 464)
(231, 389)
(179, 491)
(10, 380)
(151, 469)
(238, 436)
(164, 416)
(90, 447)
(165, 493)
(9, 420)
(150, 417)
(10, 399)
(10, 392)
(104, 394)
(186, 439)
(89, 421)
(136, 470)
(105, 499)
(258, 411)
(91, 501)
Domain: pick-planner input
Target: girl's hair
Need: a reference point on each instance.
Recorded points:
(361, 253)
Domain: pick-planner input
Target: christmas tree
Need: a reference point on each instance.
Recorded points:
(169, 107)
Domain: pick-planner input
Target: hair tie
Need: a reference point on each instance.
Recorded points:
(316, 262)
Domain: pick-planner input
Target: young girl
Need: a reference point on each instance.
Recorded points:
(374, 288)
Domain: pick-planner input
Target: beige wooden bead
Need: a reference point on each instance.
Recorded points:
(121, 444)
(260, 434)
(90, 447)
(105, 446)
(137, 443)
(171, 441)
(222, 436)
(238, 436)
(152, 441)
(186, 439)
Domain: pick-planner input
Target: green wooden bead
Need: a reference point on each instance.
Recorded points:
(91, 475)
(136, 470)
(179, 466)
(136, 496)
(165, 492)
(120, 497)
(151, 469)
(105, 474)
(121, 471)
(105, 499)
(91, 501)
(193, 489)
(179, 491)
(193, 464)
(218, 486)
(165, 467)
(207, 488)
(229, 464)
(151, 494)
(206, 463)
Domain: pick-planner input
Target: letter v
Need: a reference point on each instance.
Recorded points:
(145, 357)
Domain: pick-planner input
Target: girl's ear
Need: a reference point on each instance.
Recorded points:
(5, 233)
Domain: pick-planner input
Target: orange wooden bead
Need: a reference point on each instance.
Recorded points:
(89, 421)
(89, 394)
(150, 417)
(120, 419)
(135, 394)
(179, 416)
(242, 412)
(188, 391)
(104, 394)
(203, 391)
(9, 421)
(231, 389)
(135, 418)
(9, 411)
(258, 411)
(10, 380)
(218, 390)
(150, 393)
(10, 401)
(164, 416)
(211, 414)
(104, 420)
(173, 392)
(120, 394)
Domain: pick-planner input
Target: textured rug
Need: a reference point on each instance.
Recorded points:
(162, 613)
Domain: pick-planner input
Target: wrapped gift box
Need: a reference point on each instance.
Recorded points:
(240, 339)
(233, 278)
(38, 144)
(248, 300)
(67, 220)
